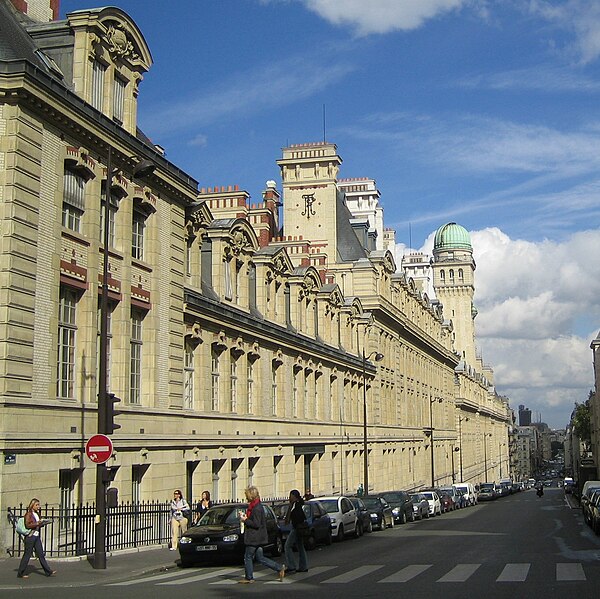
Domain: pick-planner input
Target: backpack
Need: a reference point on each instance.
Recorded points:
(21, 528)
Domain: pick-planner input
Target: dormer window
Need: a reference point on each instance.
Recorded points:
(98, 72)
(119, 100)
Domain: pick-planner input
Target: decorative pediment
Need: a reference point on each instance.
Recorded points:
(237, 349)
(79, 158)
(147, 200)
(193, 331)
(278, 358)
(219, 343)
(197, 218)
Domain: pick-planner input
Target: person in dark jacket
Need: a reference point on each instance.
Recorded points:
(203, 506)
(254, 526)
(295, 515)
(33, 541)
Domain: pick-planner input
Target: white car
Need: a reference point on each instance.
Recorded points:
(343, 516)
(435, 505)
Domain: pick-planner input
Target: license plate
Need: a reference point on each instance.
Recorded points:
(206, 548)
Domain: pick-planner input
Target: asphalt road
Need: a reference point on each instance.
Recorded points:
(517, 546)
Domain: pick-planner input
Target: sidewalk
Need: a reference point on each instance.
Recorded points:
(79, 572)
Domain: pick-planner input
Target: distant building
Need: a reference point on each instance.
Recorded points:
(524, 416)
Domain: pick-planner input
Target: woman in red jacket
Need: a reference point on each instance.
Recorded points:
(33, 541)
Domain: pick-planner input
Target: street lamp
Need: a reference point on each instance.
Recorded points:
(432, 400)
(143, 168)
(452, 456)
(377, 357)
(460, 421)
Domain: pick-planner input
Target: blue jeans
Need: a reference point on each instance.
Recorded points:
(253, 553)
(290, 561)
(34, 543)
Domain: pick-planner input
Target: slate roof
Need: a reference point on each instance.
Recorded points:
(349, 248)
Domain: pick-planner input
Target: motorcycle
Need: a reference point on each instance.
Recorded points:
(540, 492)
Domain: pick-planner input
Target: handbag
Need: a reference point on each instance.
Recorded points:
(21, 528)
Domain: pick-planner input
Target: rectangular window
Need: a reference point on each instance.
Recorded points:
(66, 343)
(98, 71)
(250, 386)
(119, 100)
(233, 385)
(108, 340)
(274, 389)
(295, 395)
(215, 374)
(188, 377)
(136, 343)
(112, 215)
(137, 235)
(73, 200)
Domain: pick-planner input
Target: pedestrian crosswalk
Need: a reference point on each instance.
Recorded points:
(377, 573)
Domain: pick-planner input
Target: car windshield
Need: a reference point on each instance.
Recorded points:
(280, 509)
(487, 487)
(372, 503)
(447, 491)
(221, 515)
(330, 505)
(416, 498)
(392, 497)
(428, 496)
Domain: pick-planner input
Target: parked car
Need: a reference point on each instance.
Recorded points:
(569, 485)
(343, 515)
(318, 520)
(594, 511)
(588, 489)
(363, 515)
(435, 505)
(468, 490)
(487, 492)
(401, 505)
(420, 506)
(218, 536)
(380, 512)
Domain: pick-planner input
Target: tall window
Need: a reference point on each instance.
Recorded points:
(136, 343)
(66, 343)
(113, 206)
(119, 100)
(274, 389)
(108, 339)
(137, 234)
(250, 391)
(188, 376)
(215, 382)
(305, 400)
(295, 394)
(73, 200)
(98, 71)
(233, 384)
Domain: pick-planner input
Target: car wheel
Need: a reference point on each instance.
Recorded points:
(359, 529)
(370, 526)
(411, 518)
(328, 538)
(340, 534)
(277, 547)
(403, 518)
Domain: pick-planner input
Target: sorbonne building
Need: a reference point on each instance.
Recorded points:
(244, 349)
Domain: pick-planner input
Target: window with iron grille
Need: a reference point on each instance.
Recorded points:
(233, 384)
(113, 206)
(215, 382)
(67, 329)
(109, 314)
(73, 200)
(250, 390)
(137, 234)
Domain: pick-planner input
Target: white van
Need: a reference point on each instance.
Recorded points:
(468, 490)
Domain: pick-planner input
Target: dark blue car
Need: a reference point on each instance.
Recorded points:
(319, 522)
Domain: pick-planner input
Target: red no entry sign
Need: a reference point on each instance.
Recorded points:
(99, 448)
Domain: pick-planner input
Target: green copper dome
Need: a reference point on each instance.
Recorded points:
(452, 237)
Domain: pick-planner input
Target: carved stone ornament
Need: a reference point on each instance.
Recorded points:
(309, 200)
(238, 242)
(194, 331)
(118, 44)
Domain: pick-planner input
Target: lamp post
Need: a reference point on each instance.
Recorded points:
(377, 357)
(460, 421)
(142, 169)
(432, 400)
(452, 456)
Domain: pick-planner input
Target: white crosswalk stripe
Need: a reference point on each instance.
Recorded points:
(460, 573)
(352, 575)
(569, 572)
(514, 573)
(407, 573)
(301, 576)
(203, 576)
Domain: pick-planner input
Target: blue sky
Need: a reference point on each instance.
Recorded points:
(479, 112)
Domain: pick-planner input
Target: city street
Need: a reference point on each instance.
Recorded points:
(514, 546)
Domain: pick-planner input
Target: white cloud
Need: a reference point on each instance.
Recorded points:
(580, 17)
(199, 140)
(382, 16)
(251, 92)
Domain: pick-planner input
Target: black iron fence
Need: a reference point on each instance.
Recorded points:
(71, 531)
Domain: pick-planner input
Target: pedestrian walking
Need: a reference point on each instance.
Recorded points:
(203, 505)
(33, 541)
(297, 518)
(255, 536)
(180, 516)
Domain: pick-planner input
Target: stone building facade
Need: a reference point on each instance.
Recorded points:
(242, 347)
